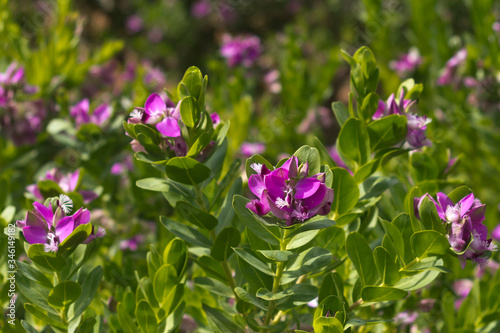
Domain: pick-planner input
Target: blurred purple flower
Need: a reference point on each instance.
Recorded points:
(81, 113)
(123, 166)
(334, 154)
(252, 148)
(154, 77)
(427, 304)
(132, 244)
(241, 50)
(155, 35)
(407, 63)
(272, 81)
(215, 119)
(67, 182)
(496, 233)
(288, 192)
(492, 266)
(43, 225)
(496, 26)
(201, 8)
(134, 24)
(463, 221)
(462, 288)
(448, 74)
(406, 318)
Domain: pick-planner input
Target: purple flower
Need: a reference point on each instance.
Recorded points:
(134, 24)
(252, 148)
(462, 288)
(496, 233)
(12, 75)
(288, 193)
(81, 113)
(132, 244)
(241, 50)
(448, 74)
(406, 318)
(334, 154)
(155, 35)
(123, 166)
(464, 221)
(201, 8)
(67, 182)
(154, 76)
(272, 81)
(406, 63)
(417, 125)
(166, 119)
(215, 119)
(43, 225)
(496, 26)
(427, 304)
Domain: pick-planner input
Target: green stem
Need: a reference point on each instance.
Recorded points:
(277, 279)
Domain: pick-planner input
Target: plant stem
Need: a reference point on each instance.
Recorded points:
(277, 279)
(355, 305)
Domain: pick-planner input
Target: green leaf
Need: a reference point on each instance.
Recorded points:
(387, 131)
(417, 281)
(186, 170)
(429, 243)
(410, 208)
(429, 263)
(270, 234)
(185, 233)
(33, 274)
(345, 191)
(214, 286)
(394, 235)
(50, 260)
(146, 317)
(219, 321)
(254, 261)
(354, 142)
(277, 255)
(423, 167)
(200, 144)
(341, 112)
(255, 278)
(34, 292)
(459, 193)
(301, 239)
(145, 287)
(429, 216)
(311, 225)
(126, 322)
(176, 254)
(310, 155)
(89, 289)
(256, 159)
(172, 191)
(228, 238)
(361, 256)
(297, 295)
(246, 297)
(212, 267)
(382, 294)
(309, 260)
(77, 237)
(42, 314)
(64, 294)
(387, 269)
(332, 285)
(190, 112)
(87, 326)
(333, 305)
(369, 106)
(164, 281)
(193, 80)
(328, 325)
(196, 216)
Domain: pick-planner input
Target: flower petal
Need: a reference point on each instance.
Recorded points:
(65, 227)
(256, 185)
(88, 196)
(35, 235)
(276, 182)
(307, 187)
(466, 204)
(82, 216)
(169, 127)
(101, 114)
(154, 107)
(44, 212)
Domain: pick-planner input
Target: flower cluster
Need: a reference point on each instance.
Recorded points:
(81, 113)
(252, 148)
(166, 118)
(467, 234)
(448, 74)
(407, 63)
(241, 50)
(20, 121)
(50, 227)
(417, 125)
(288, 192)
(67, 182)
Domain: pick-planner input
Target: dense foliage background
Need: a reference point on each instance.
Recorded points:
(116, 53)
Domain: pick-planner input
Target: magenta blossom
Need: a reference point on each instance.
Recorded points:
(496, 233)
(45, 226)
(81, 113)
(201, 8)
(462, 289)
(123, 166)
(288, 193)
(334, 154)
(132, 244)
(67, 182)
(164, 117)
(448, 74)
(407, 63)
(134, 24)
(241, 50)
(417, 125)
(464, 221)
(252, 148)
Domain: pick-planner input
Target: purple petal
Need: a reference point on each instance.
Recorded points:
(256, 185)
(82, 216)
(279, 213)
(380, 110)
(326, 205)
(169, 127)
(33, 189)
(215, 118)
(287, 164)
(444, 202)
(466, 204)
(259, 207)
(316, 199)
(88, 196)
(154, 108)
(307, 187)
(65, 227)
(33, 220)
(276, 182)
(45, 212)
(101, 114)
(35, 235)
